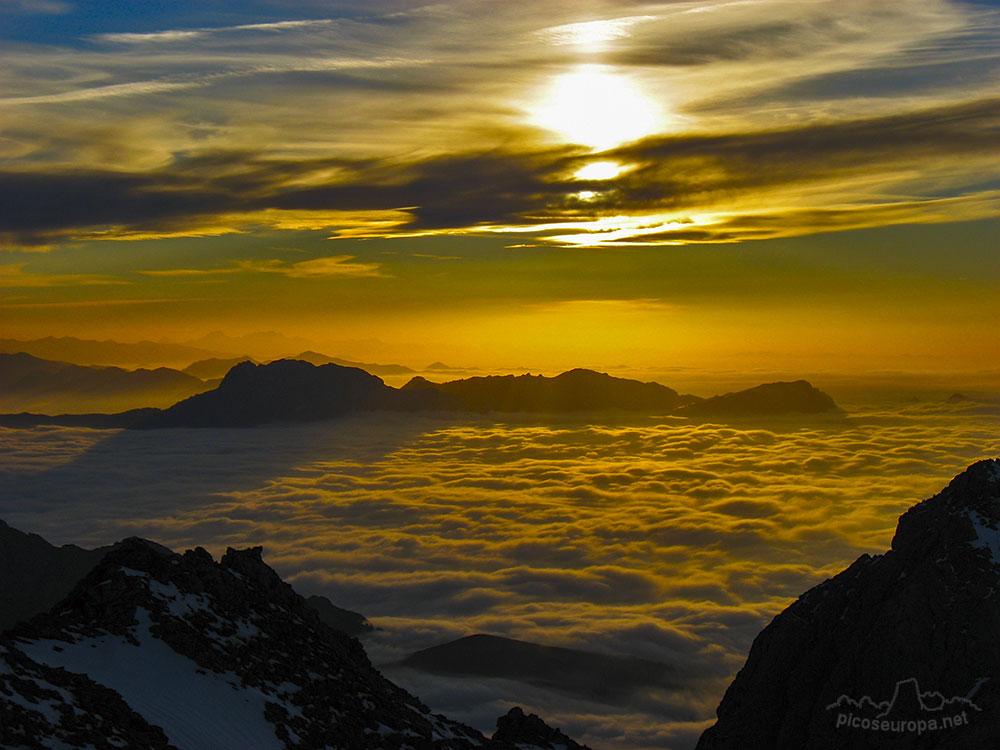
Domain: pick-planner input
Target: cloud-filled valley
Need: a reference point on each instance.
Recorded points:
(660, 539)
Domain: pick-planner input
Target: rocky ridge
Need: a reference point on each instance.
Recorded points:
(153, 649)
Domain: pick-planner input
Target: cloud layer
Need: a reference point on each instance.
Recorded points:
(666, 541)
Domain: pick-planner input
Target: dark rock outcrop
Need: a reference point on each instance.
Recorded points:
(573, 391)
(898, 651)
(798, 397)
(342, 620)
(517, 729)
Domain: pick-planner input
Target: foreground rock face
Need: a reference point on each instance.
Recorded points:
(899, 651)
(158, 650)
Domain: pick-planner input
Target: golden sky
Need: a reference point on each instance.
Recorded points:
(758, 183)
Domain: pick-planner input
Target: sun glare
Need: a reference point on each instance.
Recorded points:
(594, 106)
(599, 170)
(592, 34)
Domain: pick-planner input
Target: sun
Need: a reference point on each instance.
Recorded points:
(594, 106)
(599, 170)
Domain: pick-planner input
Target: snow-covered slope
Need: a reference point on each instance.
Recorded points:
(156, 650)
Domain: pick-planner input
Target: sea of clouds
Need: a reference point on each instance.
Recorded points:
(649, 537)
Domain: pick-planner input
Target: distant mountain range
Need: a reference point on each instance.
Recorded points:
(898, 651)
(575, 390)
(298, 391)
(155, 650)
(316, 358)
(108, 352)
(603, 677)
(215, 368)
(28, 383)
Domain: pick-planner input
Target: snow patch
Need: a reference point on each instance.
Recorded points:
(987, 537)
(196, 711)
(134, 573)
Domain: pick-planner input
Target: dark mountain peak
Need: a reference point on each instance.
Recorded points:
(965, 513)
(583, 375)
(248, 565)
(518, 729)
(291, 372)
(136, 546)
(214, 367)
(289, 390)
(907, 635)
(798, 396)
(980, 481)
(419, 383)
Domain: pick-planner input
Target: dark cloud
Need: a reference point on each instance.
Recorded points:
(466, 191)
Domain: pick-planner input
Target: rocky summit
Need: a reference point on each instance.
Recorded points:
(898, 652)
(153, 649)
(290, 391)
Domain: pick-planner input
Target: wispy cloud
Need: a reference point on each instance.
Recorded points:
(337, 266)
(14, 276)
(317, 268)
(586, 33)
(136, 88)
(175, 35)
(57, 7)
(100, 303)
(189, 272)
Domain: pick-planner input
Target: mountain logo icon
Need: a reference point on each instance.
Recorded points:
(908, 711)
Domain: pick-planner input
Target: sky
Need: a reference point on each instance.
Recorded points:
(751, 183)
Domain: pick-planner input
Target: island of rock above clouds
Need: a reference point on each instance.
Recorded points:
(152, 649)
(898, 652)
(296, 391)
